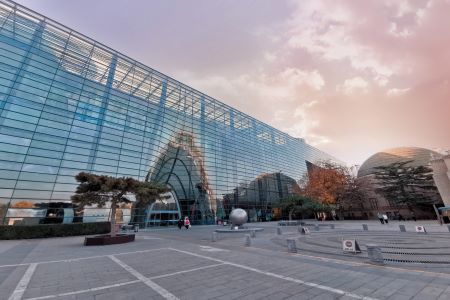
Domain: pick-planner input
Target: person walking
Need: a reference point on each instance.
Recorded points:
(380, 217)
(187, 223)
(386, 219)
(180, 223)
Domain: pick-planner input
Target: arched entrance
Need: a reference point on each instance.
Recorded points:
(163, 212)
(181, 166)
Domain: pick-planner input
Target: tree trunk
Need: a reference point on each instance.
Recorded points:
(290, 214)
(113, 217)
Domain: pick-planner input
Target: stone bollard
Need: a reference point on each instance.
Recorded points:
(253, 233)
(375, 255)
(279, 231)
(248, 240)
(292, 247)
(214, 237)
(365, 227)
(402, 228)
(316, 227)
(448, 226)
(332, 226)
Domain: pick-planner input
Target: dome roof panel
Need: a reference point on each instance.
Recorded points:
(419, 157)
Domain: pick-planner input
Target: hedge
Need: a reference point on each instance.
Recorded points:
(8, 232)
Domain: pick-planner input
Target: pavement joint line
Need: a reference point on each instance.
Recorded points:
(287, 278)
(185, 271)
(154, 286)
(361, 264)
(17, 294)
(212, 249)
(358, 264)
(82, 258)
(338, 261)
(120, 284)
(85, 291)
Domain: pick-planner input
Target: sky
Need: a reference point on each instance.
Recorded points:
(350, 77)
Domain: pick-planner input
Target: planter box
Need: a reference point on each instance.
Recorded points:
(101, 240)
(13, 232)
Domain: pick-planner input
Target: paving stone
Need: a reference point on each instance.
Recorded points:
(398, 296)
(444, 296)
(217, 282)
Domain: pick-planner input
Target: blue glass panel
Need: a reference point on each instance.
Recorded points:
(62, 112)
(39, 169)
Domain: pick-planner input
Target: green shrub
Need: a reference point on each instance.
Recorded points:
(52, 230)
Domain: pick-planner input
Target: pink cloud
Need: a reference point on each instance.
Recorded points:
(390, 56)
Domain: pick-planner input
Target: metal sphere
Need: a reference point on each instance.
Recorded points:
(238, 216)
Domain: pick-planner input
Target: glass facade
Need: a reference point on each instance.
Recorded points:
(70, 104)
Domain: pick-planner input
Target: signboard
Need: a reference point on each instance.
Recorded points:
(350, 246)
(421, 229)
(305, 230)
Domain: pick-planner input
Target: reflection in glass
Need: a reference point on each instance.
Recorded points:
(69, 104)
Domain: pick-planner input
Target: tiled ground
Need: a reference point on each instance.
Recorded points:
(173, 264)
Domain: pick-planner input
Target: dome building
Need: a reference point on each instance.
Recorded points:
(375, 202)
(417, 156)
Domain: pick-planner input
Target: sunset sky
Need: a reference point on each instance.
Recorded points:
(351, 77)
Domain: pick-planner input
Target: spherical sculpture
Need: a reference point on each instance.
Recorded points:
(238, 216)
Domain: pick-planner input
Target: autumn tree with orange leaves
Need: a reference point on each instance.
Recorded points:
(332, 184)
(326, 182)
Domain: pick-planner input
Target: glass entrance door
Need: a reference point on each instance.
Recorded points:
(164, 212)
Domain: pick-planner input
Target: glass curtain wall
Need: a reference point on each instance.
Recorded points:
(70, 104)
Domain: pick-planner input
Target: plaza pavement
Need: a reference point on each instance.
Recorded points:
(185, 264)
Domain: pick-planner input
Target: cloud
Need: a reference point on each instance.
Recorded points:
(301, 122)
(327, 31)
(305, 123)
(282, 99)
(394, 92)
(395, 31)
(352, 85)
(299, 77)
(407, 17)
(270, 57)
(323, 53)
(284, 86)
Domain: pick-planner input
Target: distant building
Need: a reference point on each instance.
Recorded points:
(378, 203)
(441, 175)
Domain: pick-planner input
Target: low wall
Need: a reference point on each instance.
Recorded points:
(52, 230)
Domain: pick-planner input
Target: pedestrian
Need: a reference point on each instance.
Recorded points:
(180, 223)
(400, 217)
(385, 218)
(413, 216)
(380, 217)
(187, 223)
